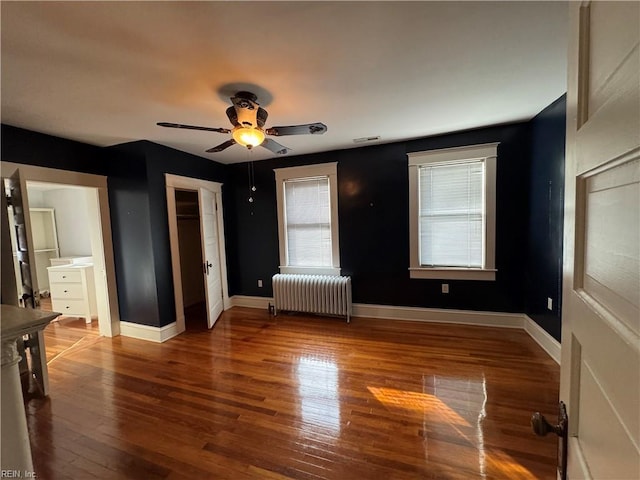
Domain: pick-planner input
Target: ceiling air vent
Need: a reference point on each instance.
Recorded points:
(366, 139)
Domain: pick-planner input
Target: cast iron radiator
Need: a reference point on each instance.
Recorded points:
(323, 294)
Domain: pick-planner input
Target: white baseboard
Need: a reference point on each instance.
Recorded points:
(542, 338)
(440, 315)
(146, 332)
(468, 317)
(250, 302)
(436, 315)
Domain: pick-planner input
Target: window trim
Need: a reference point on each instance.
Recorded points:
(307, 171)
(488, 153)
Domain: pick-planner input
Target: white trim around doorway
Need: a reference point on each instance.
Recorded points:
(100, 228)
(174, 182)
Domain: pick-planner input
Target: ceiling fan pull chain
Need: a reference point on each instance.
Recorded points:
(253, 177)
(252, 186)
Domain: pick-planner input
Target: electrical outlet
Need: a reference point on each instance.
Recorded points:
(260, 283)
(549, 303)
(445, 288)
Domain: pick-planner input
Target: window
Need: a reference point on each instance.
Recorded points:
(452, 213)
(308, 219)
(308, 222)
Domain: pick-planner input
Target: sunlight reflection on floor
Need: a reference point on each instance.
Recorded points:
(319, 395)
(418, 402)
(473, 394)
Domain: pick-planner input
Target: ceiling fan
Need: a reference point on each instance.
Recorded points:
(248, 119)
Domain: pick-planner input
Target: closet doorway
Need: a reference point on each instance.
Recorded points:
(191, 260)
(198, 258)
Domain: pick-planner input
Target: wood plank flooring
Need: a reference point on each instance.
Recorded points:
(299, 397)
(66, 334)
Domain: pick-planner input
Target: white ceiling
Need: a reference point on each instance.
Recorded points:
(105, 73)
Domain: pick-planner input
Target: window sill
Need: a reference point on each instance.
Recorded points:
(311, 270)
(453, 273)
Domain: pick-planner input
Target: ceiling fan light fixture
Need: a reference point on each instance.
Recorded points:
(248, 137)
(248, 119)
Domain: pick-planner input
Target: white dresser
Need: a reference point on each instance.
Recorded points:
(73, 290)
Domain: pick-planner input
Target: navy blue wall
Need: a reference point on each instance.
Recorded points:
(32, 148)
(131, 233)
(374, 224)
(545, 217)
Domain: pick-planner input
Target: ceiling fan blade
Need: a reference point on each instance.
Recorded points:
(262, 117)
(233, 116)
(275, 147)
(309, 128)
(222, 146)
(193, 127)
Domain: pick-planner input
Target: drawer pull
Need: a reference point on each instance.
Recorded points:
(66, 291)
(67, 308)
(64, 276)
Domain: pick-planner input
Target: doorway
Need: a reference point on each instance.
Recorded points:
(187, 197)
(191, 259)
(61, 241)
(96, 242)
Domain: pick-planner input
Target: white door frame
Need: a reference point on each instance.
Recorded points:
(100, 228)
(174, 182)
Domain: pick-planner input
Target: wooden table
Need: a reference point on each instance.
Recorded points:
(16, 322)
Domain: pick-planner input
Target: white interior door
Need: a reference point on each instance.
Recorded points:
(27, 275)
(9, 281)
(28, 287)
(600, 379)
(210, 254)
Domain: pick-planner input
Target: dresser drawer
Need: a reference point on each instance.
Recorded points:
(70, 307)
(64, 276)
(66, 290)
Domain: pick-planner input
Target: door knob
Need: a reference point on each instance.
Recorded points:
(542, 427)
(206, 266)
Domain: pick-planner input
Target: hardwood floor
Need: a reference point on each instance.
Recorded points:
(299, 397)
(66, 334)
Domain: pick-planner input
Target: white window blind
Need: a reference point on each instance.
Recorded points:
(308, 222)
(451, 214)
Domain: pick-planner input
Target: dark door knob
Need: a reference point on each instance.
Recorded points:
(542, 427)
